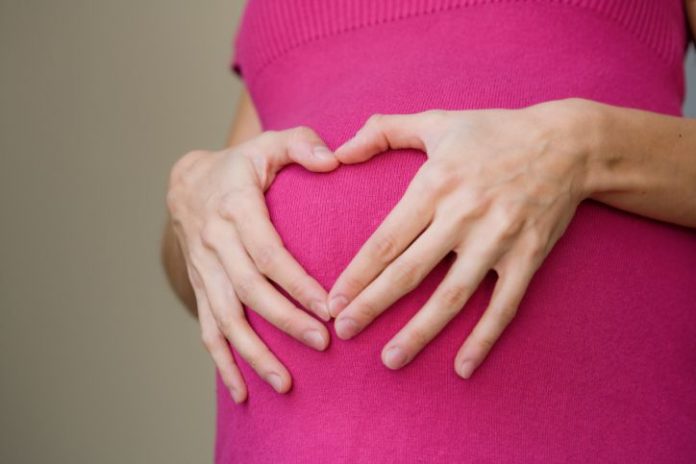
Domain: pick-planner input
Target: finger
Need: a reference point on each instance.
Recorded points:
(507, 295)
(229, 315)
(300, 145)
(265, 246)
(402, 225)
(399, 278)
(215, 343)
(384, 132)
(256, 292)
(186, 162)
(460, 282)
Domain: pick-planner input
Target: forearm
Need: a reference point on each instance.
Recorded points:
(640, 161)
(175, 268)
(245, 125)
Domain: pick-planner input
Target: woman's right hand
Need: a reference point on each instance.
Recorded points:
(218, 212)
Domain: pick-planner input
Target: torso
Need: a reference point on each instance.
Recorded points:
(600, 361)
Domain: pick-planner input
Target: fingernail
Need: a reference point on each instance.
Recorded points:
(337, 304)
(275, 380)
(466, 368)
(321, 309)
(395, 357)
(346, 327)
(314, 338)
(348, 143)
(322, 152)
(235, 395)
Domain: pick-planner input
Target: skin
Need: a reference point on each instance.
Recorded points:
(499, 188)
(219, 237)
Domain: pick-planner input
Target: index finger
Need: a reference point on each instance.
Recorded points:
(265, 246)
(385, 132)
(411, 215)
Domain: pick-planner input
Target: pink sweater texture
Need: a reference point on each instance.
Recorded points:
(599, 364)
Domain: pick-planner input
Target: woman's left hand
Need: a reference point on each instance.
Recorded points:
(498, 189)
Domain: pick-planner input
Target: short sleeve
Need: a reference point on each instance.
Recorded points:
(235, 60)
(236, 67)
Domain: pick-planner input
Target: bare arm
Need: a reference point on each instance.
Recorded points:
(642, 162)
(245, 125)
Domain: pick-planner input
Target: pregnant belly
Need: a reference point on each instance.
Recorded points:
(601, 357)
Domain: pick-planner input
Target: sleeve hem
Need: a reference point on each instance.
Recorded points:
(236, 69)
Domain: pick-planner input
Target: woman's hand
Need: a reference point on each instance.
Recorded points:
(498, 189)
(217, 206)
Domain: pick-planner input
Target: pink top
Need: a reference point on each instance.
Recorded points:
(600, 363)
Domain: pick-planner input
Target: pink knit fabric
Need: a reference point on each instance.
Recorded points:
(600, 363)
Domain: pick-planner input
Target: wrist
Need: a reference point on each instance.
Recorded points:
(579, 132)
(596, 126)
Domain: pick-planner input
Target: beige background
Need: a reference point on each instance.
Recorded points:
(99, 363)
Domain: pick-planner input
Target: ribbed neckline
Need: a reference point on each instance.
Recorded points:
(271, 28)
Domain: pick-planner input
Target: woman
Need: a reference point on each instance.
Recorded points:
(523, 205)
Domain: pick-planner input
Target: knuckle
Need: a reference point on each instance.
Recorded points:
(448, 176)
(266, 137)
(234, 205)
(270, 133)
(485, 343)
(286, 323)
(184, 163)
(242, 153)
(509, 221)
(540, 190)
(256, 360)
(258, 166)
(352, 284)
(175, 173)
(300, 133)
(439, 177)
(453, 295)
(265, 257)
(505, 315)
(405, 273)
(364, 311)
(229, 384)
(436, 116)
(384, 247)
(418, 337)
(535, 247)
(173, 199)
(432, 174)
(195, 154)
(295, 287)
(195, 279)
(210, 234)
(245, 288)
(209, 338)
(180, 173)
(472, 206)
(229, 324)
(227, 206)
(421, 185)
(375, 120)
(477, 199)
(197, 256)
(246, 195)
(448, 312)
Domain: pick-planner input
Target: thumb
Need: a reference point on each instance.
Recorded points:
(303, 146)
(381, 133)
